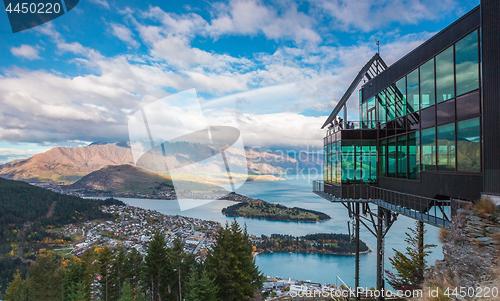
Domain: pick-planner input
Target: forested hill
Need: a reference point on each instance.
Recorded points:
(27, 215)
(21, 202)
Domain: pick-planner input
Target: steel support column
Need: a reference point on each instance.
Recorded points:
(356, 277)
(380, 252)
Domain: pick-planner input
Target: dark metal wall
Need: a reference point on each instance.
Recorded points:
(424, 52)
(463, 186)
(490, 19)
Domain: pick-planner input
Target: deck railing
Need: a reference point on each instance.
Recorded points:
(428, 210)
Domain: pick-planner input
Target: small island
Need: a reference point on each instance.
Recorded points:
(321, 243)
(264, 210)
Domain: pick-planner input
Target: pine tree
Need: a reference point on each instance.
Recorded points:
(180, 265)
(132, 271)
(105, 263)
(16, 290)
(127, 293)
(200, 288)
(47, 278)
(230, 264)
(156, 263)
(412, 266)
(117, 273)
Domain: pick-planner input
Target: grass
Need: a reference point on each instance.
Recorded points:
(485, 206)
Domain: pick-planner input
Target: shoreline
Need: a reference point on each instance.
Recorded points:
(309, 253)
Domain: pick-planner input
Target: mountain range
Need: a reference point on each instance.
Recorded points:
(66, 165)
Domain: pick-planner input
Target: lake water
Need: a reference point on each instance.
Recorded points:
(314, 267)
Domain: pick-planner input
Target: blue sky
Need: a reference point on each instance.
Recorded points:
(279, 67)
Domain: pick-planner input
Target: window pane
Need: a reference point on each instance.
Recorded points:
(382, 157)
(414, 156)
(413, 91)
(429, 149)
(362, 116)
(391, 105)
(468, 106)
(427, 84)
(414, 121)
(391, 158)
(428, 117)
(381, 107)
(400, 97)
(446, 147)
(444, 75)
(467, 64)
(446, 112)
(468, 145)
(402, 156)
(371, 117)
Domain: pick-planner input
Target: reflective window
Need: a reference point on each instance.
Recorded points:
(444, 75)
(413, 91)
(428, 149)
(391, 157)
(446, 147)
(402, 157)
(428, 117)
(381, 107)
(468, 106)
(446, 112)
(370, 112)
(467, 63)
(400, 97)
(427, 84)
(414, 156)
(468, 145)
(413, 121)
(391, 104)
(382, 157)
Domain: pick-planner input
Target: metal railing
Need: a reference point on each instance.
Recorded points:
(353, 125)
(429, 210)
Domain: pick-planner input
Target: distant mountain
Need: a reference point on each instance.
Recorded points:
(69, 164)
(123, 178)
(128, 178)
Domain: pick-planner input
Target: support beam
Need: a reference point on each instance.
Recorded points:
(380, 252)
(356, 277)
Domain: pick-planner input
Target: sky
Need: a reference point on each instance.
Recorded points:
(277, 67)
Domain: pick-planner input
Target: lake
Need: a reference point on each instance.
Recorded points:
(314, 267)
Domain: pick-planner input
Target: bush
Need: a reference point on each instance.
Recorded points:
(485, 206)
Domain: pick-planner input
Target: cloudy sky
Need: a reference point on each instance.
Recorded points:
(277, 67)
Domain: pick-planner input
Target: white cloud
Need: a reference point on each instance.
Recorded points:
(103, 3)
(125, 34)
(25, 51)
(368, 15)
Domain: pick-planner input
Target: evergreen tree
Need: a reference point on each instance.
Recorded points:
(230, 264)
(74, 285)
(412, 266)
(47, 280)
(180, 265)
(105, 262)
(200, 288)
(117, 273)
(77, 292)
(16, 290)
(132, 271)
(127, 293)
(91, 268)
(156, 262)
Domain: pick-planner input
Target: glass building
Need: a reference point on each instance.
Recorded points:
(429, 124)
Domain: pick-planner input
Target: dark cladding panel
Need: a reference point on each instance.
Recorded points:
(426, 51)
(490, 10)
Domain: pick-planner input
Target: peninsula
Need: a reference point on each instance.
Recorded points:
(263, 210)
(321, 243)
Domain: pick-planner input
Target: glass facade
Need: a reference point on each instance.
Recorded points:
(427, 121)
(350, 161)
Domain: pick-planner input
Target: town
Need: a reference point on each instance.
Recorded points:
(134, 228)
